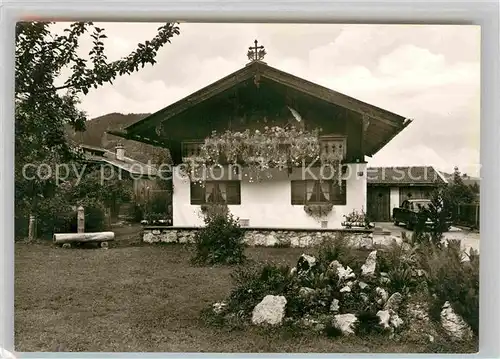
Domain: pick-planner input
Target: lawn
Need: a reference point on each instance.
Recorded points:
(144, 298)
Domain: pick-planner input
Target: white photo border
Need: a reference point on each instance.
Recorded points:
(483, 13)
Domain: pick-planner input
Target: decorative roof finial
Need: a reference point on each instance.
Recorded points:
(256, 53)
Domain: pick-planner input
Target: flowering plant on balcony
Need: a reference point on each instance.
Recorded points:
(259, 151)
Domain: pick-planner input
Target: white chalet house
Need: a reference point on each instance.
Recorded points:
(257, 97)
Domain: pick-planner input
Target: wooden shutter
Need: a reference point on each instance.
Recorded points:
(338, 194)
(197, 193)
(298, 189)
(233, 192)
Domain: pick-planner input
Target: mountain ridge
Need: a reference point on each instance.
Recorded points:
(96, 135)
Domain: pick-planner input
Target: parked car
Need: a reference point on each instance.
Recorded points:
(411, 211)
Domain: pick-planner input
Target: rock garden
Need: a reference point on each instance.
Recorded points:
(414, 290)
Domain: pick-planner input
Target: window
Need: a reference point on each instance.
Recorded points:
(191, 149)
(221, 192)
(311, 192)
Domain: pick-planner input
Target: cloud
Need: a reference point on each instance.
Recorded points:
(428, 73)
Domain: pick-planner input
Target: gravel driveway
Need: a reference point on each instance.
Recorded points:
(470, 239)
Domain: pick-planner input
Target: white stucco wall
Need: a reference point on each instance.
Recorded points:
(394, 198)
(267, 204)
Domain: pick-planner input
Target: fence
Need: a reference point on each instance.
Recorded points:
(467, 215)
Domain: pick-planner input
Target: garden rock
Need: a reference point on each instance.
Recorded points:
(270, 310)
(453, 324)
(362, 285)
(259, 240)
(382, 295)
(396, 321)
(386, 241)
(363, 242)
(345, 323)
(305, 263)
(389, 319)
(271, 240)
(149, 238)
(335, 307)
(295, 241)
(394, 302)
(384, 318)
(346, 289)
(342, 273)
(219, 307)
(368, 269)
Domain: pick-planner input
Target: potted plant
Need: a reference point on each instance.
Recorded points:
(356, 219)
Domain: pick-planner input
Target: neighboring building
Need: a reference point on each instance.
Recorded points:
(388, 187)
(141, 177)
(253, 97)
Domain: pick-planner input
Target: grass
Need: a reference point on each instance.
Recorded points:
(144, 298)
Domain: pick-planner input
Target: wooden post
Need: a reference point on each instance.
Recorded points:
(32, 228)
(108, 217)
(81, 220)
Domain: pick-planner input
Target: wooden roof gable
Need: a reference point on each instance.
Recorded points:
(384, 125)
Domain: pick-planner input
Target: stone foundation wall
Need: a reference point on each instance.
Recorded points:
(257, 237)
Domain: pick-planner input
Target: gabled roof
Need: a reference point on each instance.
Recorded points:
(384, 125)
(128, 164)
(404, 176)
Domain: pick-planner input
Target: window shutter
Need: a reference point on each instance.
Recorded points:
(233, 192)
(338, 194)
(298, 192)
(197, 193)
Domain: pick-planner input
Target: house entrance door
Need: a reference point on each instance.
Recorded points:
(378, 203)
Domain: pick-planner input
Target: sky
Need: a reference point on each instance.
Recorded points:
(430, 74)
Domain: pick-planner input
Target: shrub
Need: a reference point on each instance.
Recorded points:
(54, 215)
(368, 323)
(332, 331)
(400, 262)
(451, 279)
(338, 247)
(220, 241)
(95, 215)
(138, 213)
(253, 283)
(158, 204)
(214, 210)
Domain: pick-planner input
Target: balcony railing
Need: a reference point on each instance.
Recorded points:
(330, 148)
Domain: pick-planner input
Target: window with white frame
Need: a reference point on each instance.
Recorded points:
(216, 192)
(318, 192)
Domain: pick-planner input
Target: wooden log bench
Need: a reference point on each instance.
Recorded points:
(67, 239)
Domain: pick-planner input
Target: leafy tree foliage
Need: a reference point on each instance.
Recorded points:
(43, 108)
(459, 192)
